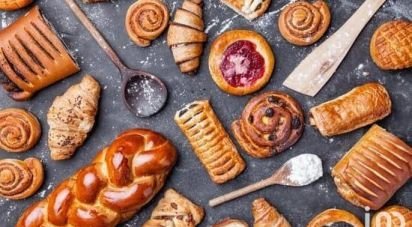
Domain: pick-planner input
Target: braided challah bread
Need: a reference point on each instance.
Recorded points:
(122, 178)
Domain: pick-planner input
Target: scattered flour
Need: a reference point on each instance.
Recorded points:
(304, 169)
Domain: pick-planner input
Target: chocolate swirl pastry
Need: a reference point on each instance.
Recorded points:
(20, 179)
(10, 5)
(303, 23)
(19, 130)
(146, 20)
(270, 123)
(335, 218)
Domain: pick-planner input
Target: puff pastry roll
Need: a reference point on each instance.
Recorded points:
(332, 217)
(359, 107)
(266, 215)
(373, 169)
(210, 141)
(399, 216)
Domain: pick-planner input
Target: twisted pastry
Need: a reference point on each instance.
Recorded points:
(399, 216)
(335, 216)
(266, 215)
(10, 5)
(146, 20)
(303, 23)
(20, 179)
(270, 123)
(19, 130)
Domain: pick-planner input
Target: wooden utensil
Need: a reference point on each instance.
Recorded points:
(297, 172)
(143, 93)
(319, 66)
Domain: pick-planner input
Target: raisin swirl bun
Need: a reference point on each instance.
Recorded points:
(270, 123)
(11, 5)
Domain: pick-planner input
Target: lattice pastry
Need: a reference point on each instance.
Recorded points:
(250, 9)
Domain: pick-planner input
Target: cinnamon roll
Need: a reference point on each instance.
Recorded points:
(146, 20)
(303, 23)
(10, 5)
(270, 123)
(20, 179)
(19, 130)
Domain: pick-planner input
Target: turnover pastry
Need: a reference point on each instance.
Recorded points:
(393, 216)
(122, 179)
(10, 5)
(335, 216)
(391, 45)
(175, 210)
(186, 36)
(32, 56)
(265, 215)
(359, 107)
(20, 179)
(241, 62)
(210, 141)
(146, 20)
(303, 23)
(71, 117)
(270, 123)
(373, 169)
(19, 130)
(250, 9)
(229, 222)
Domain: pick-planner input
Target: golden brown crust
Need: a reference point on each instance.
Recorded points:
(399, 216)
(330, 216)
(391, 45)
(373, 169)
(210, 142)
(265, 215)
(229, 222)
(10, 5)
(359, 107)
(19, 130)
(250, 9)
(216, 56)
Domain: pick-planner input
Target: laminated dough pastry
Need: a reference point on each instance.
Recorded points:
(265, 215)
(229, 222)
(250, 9)
(393, 216)
(10, 5)
(337, 217)
(210, 142)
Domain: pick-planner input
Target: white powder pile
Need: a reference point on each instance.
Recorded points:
(304, 169)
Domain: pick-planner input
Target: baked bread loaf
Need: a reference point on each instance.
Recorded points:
(229, 222)
(270, 123)
(210, 142)
(391, 45)
(174, 210)
(399, 216)
(186, 36)
(71, 117)
(335, 216)
(122, 179)
(250, 9)
(265, 215)
(32, 56)
(373, 169)
(10, 5)
(359, 107)
(19, 130)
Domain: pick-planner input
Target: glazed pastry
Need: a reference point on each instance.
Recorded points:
(122, 179)
(266, 215)
(10, 5)
(250, 9)
(94, 1)
(186, 36)
(391, 45)
(71, 117)
(303, 23)
(399, 217)
(270, 123)
(241, 62)
(19, 130)
(373, 169)
(20, 179)
(174, 210)
(210, 141)
(229, 222)
(146, 20)
(335, 216)
(32, 56)
(359, 107)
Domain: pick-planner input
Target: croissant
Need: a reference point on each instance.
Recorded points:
(10, 5)
(186, 36)
(122, 179)
(71, 117)
(266, 215)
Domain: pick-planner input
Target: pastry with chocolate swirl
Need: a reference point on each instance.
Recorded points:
(20, 179)
(270, 123)
(19, 130)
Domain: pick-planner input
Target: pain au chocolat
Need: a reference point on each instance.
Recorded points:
(373, 169)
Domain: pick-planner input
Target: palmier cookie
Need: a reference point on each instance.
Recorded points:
(270, 123)
(241, 62)
(303, 23)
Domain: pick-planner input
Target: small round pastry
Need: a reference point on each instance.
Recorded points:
(20, 179)
(399, 217)
(303, 23)
(11, 5)
(19, 130)
(335, 217)
(229, 222)
(270, 123)
(241, 62)
(146, 20)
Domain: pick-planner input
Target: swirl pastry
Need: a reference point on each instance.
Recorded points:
(229, 222)
(393, 216)
(333, 217)
(391, 45)
(303, 23)
(146, 20)
(250, 9)
(270, 123)
(20, 179)
(10, 5)
(373, 169)
(210, 141)
(19, 130)
(265, 215)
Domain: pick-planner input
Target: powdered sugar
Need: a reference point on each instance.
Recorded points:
(304, 169)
